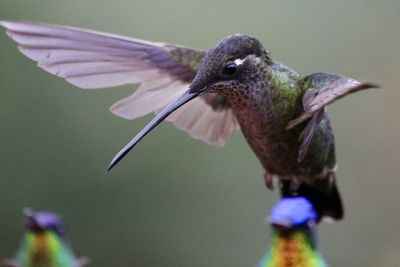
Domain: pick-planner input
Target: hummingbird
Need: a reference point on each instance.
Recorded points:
(44, 243)
(209, 94)
(293, 241)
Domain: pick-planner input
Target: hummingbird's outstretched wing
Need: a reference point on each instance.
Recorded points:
(90, 59)
(323, 90)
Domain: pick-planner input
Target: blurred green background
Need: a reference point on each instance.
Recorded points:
(175, 201)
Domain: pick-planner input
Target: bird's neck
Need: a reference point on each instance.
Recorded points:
(295, 249)
(286, 88)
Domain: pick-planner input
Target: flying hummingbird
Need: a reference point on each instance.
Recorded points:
(237, 84)
(293, 241)
(44, 243)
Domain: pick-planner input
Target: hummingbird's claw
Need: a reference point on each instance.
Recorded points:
(294, 185)
(269, 181)
(329, 174)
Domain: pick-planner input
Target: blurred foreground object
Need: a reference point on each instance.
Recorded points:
(294, 235)
(44, 243)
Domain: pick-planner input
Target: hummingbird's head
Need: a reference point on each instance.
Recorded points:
(230, 65)
(291, 214)
(40, 221)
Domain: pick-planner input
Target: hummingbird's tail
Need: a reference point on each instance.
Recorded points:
(324, 196)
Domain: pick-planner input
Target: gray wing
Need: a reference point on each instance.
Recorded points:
(323, 90)
(90, 59)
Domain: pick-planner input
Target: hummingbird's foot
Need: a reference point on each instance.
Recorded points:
(329, 174)
(294, 185)
(331, 179)
(269, 181)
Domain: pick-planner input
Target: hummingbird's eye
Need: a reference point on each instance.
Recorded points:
(230, 68)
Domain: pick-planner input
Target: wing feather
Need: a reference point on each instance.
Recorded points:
(308, 133)
(149, 97)
(323, 90)
(90, 59)
(202, 122)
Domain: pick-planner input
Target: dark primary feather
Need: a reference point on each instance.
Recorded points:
(308, 133)
(323, 90)
(91, 59)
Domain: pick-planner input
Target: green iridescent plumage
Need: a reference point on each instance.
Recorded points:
(187, 57)
(44, 244)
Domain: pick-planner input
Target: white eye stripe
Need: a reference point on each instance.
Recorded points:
(238, 61)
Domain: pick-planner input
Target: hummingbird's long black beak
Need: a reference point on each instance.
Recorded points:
(186, 97)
